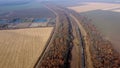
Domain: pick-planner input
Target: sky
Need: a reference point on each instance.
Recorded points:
(6, 1)
(9, 1)
(13, 0)
(51, 0)
(2, 2)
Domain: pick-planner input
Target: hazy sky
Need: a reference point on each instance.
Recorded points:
(7, 1)
(13, 0)
(60, 0)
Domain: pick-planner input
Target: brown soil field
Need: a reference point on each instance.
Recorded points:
(21, 48)
(95, 6)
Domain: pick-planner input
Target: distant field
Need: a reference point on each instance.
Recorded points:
(30, 9)
(41, 12)
(106, 17)
(21, 48)
(108, 23)
(13, 6)
(95, 6)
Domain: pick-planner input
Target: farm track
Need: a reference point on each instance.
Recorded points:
(78, 50)
(45, 48)
(78, 60)
(87, 56)
(37, 65)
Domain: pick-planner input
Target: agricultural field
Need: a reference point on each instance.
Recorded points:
(28, 13)
(21, 48)
(89, 6)
(47, 35)
(105, 16)
(31, 9)
(108, 23)
(33, 14)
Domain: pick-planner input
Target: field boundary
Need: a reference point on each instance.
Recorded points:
(49, 40)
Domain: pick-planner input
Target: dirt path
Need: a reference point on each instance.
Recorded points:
(75, 52)
(86, 41)
(49, 41)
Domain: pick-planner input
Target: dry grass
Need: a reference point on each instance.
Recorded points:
(96, 6)
(21, 48)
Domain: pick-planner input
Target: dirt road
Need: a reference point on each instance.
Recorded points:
(37, 65)
(84, 34)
